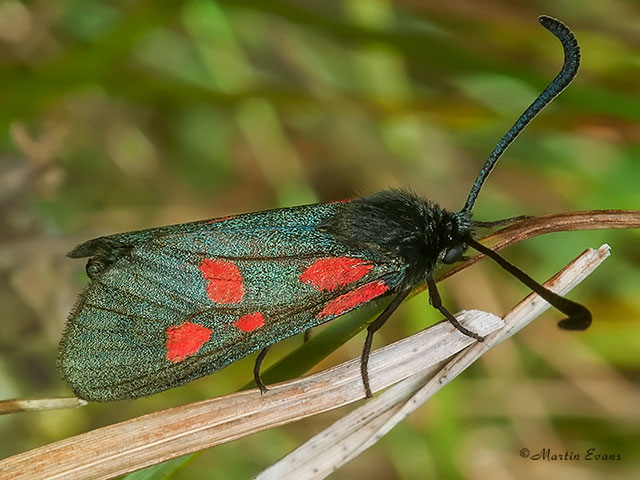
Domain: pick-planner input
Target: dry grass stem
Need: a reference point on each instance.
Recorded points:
(134, 444)
(357, 431)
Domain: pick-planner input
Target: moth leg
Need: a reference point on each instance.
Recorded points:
(436, 302)
(307, 335)
(256, 370)
(371, 329)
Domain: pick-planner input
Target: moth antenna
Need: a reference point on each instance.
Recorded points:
(578, 316)
(562, 80)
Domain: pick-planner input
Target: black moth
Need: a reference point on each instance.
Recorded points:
(168, 305)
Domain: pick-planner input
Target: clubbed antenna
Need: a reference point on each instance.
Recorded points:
(578, 316)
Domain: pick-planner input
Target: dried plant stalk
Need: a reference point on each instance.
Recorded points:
(552, 223)
(364, 426)
(131, 445)
(37, 404)
(134, 444)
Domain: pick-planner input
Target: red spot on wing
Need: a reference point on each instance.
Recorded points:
(327, 274)
(353, 299)
(185, 340)
(225, 283)
(249, 322)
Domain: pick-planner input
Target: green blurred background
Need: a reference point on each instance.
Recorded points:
(122, 115)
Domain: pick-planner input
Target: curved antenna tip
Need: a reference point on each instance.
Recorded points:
(545, 20)
(580, 320)
(558, 84)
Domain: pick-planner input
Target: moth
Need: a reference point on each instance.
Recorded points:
(167, 305)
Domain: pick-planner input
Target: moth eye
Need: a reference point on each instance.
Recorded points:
(453, 254)
(94, 267)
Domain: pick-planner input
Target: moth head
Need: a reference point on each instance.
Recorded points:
(456, 230)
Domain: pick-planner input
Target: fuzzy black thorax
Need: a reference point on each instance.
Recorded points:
(399, 224)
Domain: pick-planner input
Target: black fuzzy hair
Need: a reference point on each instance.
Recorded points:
(399, 224)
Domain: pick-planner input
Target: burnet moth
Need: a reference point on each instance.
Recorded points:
(168, 305)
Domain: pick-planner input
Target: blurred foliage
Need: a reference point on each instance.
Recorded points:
(123, 115)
